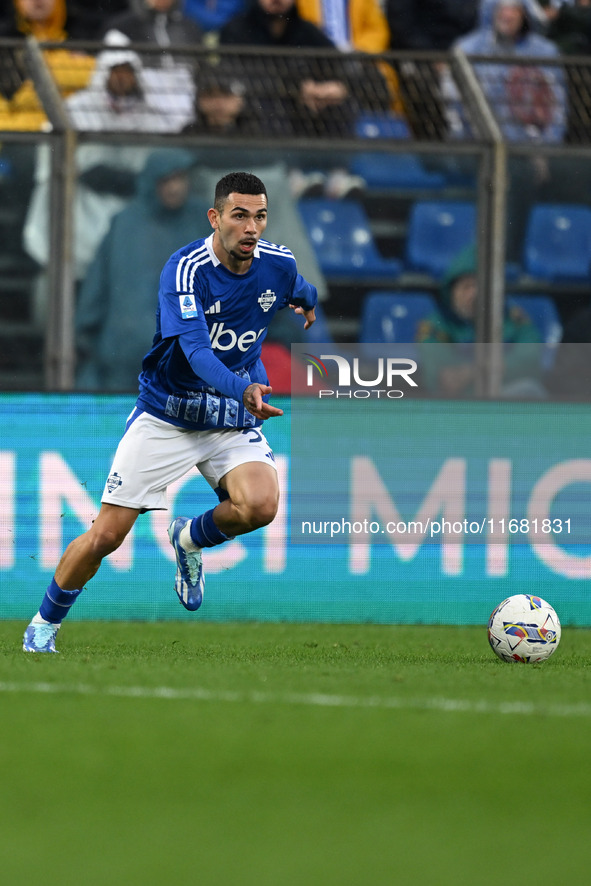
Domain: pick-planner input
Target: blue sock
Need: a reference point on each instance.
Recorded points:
(205, 533)
(56, 603)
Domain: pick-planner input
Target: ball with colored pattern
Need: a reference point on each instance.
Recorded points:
(524, 628)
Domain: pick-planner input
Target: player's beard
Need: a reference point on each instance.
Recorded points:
(240, 256)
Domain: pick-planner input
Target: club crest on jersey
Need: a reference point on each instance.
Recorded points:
(114, 481)
(267, 299)
(188, 306)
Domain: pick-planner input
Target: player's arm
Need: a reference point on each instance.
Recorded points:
(196, 347)
(303, 300)
(206, 365)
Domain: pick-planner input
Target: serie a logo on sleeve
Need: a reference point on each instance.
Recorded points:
(188, 306)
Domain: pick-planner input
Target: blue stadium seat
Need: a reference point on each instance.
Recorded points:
(558, 243)
(395, 171)
(343, 241)
(393, 317)
(437, 231)
(381, 125)
(542, 311)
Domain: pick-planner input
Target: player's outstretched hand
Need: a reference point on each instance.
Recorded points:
(253, 400)
(310, 315)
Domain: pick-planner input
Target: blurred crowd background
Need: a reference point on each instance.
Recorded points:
(392, 136)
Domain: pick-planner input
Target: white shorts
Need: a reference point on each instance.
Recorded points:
(152, 454)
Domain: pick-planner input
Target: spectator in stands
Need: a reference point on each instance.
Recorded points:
(171, 73)
(221, 105)
(47, 20)
(426, 25)
(449, 370)
(119, 296)
(105, 182)
(313, 97)
(357, 26)
(123, 96)
(212, 15)
(308, 96)
(529, 102)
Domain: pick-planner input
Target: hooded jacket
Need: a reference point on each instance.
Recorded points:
(529, 102)
(455, 335)
(119, 296)
(95, 108)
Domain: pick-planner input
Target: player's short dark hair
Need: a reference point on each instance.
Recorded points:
(239, 183)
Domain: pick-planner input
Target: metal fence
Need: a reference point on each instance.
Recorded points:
(479, 129)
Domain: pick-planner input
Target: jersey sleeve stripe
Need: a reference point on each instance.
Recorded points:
(186, 269)
(193, 270)
(272, 249)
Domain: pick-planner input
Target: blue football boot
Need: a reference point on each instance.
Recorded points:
(40, 638)
(189, 581)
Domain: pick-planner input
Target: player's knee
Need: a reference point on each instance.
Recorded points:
(266, 511)
(106, 540)
(261, 509)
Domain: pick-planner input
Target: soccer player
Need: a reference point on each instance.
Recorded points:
(203, 396)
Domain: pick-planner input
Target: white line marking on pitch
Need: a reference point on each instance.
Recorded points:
(312, 699)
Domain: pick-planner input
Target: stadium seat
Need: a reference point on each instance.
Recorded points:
(558, 243)
(541, 309)
(381, 125)
(395, 171)
(437, 231)
(343, 241)
(393, 317)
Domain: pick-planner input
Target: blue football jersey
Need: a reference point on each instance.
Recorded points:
(210, 327)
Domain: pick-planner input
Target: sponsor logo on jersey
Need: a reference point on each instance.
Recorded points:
(214, 308)
(188, 306)
(223, 339)
(267, 299)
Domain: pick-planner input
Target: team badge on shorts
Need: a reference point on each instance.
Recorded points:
(267, 299)
(114, 481)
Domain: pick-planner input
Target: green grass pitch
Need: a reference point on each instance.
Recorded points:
(291, 755)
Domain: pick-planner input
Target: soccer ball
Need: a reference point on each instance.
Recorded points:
(524, 628)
